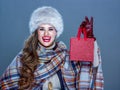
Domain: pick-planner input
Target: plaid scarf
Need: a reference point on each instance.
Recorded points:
(51, 60)
(53, 55)
(76, 75)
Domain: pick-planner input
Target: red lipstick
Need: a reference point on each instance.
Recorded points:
(46, 38)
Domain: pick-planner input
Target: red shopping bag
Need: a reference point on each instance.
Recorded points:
(81, 48)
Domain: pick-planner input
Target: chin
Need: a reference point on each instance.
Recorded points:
(47, 44)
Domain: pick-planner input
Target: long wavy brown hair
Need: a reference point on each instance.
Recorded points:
(29, 62)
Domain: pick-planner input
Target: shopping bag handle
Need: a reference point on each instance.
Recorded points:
(82, 31)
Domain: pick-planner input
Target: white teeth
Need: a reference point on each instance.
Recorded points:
(46, 40)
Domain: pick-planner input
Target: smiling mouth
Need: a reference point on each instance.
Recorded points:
(46, 38)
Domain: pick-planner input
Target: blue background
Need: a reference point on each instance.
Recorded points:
(14, 18)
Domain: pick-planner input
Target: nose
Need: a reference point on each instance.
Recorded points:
(46, 33)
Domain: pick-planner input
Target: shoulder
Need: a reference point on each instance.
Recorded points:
(16, 60)
(62, 47)
(11, 76)
(62, 44)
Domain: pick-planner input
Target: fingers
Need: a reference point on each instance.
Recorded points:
(91, 21)
(86, 19)
(87, 23)
(83, 24)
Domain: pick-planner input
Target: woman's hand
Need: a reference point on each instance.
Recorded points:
(88, 24)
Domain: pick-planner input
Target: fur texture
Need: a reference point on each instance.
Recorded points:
(46, 15)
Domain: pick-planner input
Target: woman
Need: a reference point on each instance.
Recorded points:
(43, 63)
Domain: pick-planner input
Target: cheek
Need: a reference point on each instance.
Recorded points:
(40, 35)
(54, 34)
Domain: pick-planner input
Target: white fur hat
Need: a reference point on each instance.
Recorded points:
(46, 14)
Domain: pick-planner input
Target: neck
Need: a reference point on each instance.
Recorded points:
(49, 47)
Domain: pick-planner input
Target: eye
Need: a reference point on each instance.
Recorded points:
(51, 29)
(41, 29)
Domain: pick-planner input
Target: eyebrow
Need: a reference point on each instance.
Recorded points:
(48, 27)
(52, 27)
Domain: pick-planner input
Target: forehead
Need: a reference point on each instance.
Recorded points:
(46, 25)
